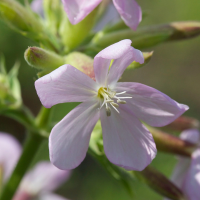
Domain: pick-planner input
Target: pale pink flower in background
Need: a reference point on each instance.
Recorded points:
(10, 151)
(40, 181)
(186, 174)
(129, 10)
(127, 142)
(37, 6)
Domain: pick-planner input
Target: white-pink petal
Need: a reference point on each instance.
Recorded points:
(130, 12)
(65, 84)
(50, 196)
(10, 150)
(115, 51)
(127, 142)
(77, 10)
(151, 105)
(69, 139)
(191, 185)
(43, 177)
(120, 64)
(191, 135)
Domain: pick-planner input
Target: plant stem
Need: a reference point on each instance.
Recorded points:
(30, 149)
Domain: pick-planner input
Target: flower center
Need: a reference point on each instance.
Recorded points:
(108, 96)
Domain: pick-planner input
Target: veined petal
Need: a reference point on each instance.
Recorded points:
(69, 139)
(127, 142)
(50, 196)
(10, 151)
(180, 171)
(103, 59)
(77, 10)
(42, 178)
(130, 12)
(120, 64)
(191, 135)
(65, 84)
(151, 105)
(192, 180)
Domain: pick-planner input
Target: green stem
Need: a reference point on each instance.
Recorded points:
(30, 149)
(22, 115)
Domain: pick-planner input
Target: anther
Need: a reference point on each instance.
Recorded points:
(121, 102)
(108, 111)
(115, 104)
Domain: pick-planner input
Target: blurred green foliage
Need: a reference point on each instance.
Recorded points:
(174, 69)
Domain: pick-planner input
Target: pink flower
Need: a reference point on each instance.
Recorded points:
(37, 6)
(10, 151)
(127, 142)
(40, 181)
(186, 174)
(129, 10)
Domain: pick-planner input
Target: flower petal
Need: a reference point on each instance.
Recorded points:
(151, 105)
(103, 59)
(192, 180)
(130, 12)
(120, 64)
(65, 84)
(77, 10)
(37, 6)
(191, 135)
(10, 151)
(69, 139)
(180, 171)
(127, 142)
(42, 178)
(50, 196)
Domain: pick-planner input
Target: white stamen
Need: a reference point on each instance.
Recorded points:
(108, 96)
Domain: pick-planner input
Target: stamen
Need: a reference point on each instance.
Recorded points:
(114, 108)
(121, 102)
(107, 97)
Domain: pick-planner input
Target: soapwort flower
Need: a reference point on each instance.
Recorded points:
(120, 107)
(186, 174)
(10, 151)
(41, 181)
(129, 10)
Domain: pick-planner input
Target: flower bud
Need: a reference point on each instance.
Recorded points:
(158, 182)
(184, 123)
(43, 59)
(73, 35)
(10, 92)
(53, 14)
(136, 65)
(19, 18)
(149, 36)
(171, 144)
(82, 62)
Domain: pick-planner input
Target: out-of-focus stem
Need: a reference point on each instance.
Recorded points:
(171, 144)
(160, 183)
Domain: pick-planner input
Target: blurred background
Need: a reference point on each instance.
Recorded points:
(174, 69)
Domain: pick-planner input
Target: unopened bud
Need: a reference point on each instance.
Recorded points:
(82, 62)
(43, 59)
(73, 35)
(18, 17)
(184, 123)
(149, 36)
(171, 144)
(161, 184)
(136, 65)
